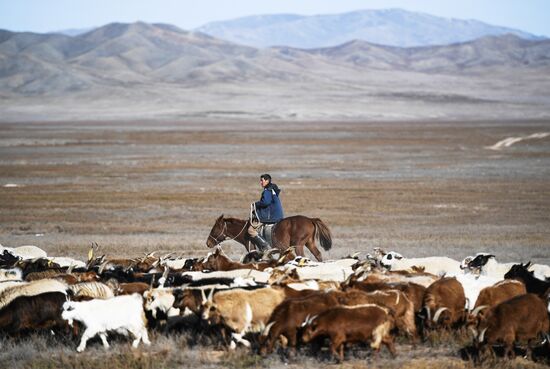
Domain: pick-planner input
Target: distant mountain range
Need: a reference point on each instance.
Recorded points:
(140, 53)
(393, 27)
(141, 69)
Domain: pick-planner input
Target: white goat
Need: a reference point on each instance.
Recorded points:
(161, 299)
(122, 314)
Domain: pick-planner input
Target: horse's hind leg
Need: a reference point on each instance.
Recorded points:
(314, 250)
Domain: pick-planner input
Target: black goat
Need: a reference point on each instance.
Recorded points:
(532, 284)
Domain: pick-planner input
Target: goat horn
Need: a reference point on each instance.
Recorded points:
(71, 267)
(428, 313)
(482, 335)
(203, 295)
(91, 253)
(474, 332)
(102, 266)
(265, 332)
(166, 271)
(438, 313)
(478, 309)
(305, 322)
(210, 295)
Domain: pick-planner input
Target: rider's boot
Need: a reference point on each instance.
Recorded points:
(260, 243)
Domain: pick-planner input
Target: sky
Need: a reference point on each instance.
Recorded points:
(52, 15)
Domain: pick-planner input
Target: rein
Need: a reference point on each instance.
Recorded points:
(226, 237)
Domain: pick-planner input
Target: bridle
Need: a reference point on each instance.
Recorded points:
(222, 233)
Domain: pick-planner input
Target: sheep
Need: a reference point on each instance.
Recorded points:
(473, 285)
(486, 264)
(67, 262)
(256, 275)
(96, 290)
(13, 274)
(31, 289)
(437, 265)
(122, 314)
(25, 252)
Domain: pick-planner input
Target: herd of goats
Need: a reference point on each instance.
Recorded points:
(279, 301)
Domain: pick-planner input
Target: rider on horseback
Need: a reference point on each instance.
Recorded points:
(266, 211)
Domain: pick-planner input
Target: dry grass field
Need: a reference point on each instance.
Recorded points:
(419, 188)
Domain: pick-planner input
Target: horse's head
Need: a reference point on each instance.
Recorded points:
(217, 233)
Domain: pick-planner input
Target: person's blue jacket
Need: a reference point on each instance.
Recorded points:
(269, 207)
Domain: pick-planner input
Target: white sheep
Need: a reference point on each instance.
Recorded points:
(67, 262)
(25, 252)
(437, 265)
(122, 314)
(486, 264)
(473, 285)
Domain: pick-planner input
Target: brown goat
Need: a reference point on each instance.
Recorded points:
(288, 316)
(29, 313)
(522, 318)
(69, 278)
(291, 313)
(130, 288)
(218, 261)
(414, 292)
(396, 300)
(363, 323)
(494, 295)
(444, 303)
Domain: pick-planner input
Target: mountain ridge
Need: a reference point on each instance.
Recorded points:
(393, 27)
(130, 53)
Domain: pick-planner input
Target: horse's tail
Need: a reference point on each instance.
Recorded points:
(322, 233)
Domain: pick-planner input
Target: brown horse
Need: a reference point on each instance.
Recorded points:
(292, 231)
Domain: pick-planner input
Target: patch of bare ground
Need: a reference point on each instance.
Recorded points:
(421, 188)
(440, 351)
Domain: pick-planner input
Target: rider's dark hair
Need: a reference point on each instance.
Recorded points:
(266, 176)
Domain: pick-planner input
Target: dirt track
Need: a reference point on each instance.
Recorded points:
(421, 188)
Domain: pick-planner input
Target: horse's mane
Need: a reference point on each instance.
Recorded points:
(235, 220)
